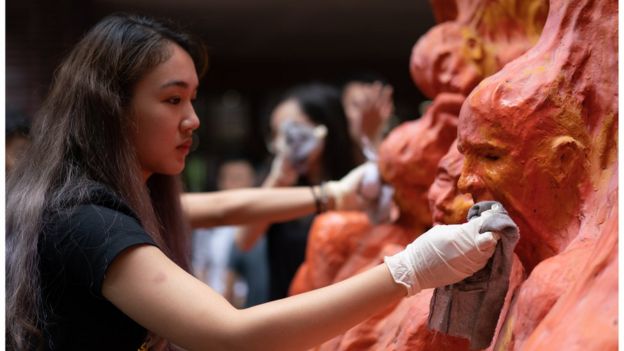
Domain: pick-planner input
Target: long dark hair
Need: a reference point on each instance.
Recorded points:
(81, 136)
(322, 103)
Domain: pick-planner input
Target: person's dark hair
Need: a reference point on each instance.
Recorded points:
(80, 136)
(323, 105)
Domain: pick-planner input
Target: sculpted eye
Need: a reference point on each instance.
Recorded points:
(491, 157)
(443, 175)
(460, 148)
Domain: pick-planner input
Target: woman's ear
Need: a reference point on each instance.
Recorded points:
(568, 158)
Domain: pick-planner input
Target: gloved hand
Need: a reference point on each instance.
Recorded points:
(354, 190)
(443, 255)
(377, 197)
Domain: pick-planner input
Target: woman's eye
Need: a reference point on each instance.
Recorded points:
(174, 100)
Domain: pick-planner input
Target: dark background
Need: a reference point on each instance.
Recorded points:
(257, 49)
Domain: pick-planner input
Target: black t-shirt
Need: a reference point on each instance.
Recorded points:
(286, 246)
(76, 248)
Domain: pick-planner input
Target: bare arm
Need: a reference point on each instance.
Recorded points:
(156, 293)
(282, 175)
(243, 206)
(259, 207)
(159, 295)
(246, 236)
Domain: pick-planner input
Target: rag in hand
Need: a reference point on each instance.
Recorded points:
(471, 308)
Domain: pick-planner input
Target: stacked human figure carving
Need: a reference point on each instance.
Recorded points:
(541, 137)
(447, 63)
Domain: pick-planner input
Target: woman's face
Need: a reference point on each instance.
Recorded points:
(164, 115)
(290, 111)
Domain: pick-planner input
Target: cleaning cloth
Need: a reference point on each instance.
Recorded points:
(471, 308)
(301, 141)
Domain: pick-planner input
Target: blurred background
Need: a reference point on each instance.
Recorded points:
(257, 49)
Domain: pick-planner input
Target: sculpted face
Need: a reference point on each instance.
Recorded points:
(525, 152)
(402, 163)
(409, 155)
(449, 58)
(447, 204)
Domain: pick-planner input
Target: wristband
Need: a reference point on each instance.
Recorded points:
(317, 200)
(324, 199)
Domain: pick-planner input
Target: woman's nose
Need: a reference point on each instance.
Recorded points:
(190, 122)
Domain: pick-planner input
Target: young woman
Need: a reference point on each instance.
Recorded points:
(95, 246)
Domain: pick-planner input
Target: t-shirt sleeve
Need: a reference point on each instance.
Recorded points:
(86, 242)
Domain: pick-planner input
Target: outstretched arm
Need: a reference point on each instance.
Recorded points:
(258, 207)
(156, 293)
(243, 206)
(159, 295)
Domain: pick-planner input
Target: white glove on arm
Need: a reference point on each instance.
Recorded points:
(349, 192)
(443, 255)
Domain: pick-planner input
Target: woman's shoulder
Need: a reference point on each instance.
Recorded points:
(80, 241)
(102, 196)
(98, 212)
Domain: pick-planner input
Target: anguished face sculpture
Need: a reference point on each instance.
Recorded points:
(448, 205)
(528, 159)
(449, 58)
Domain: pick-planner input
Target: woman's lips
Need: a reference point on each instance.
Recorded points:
(186, 146)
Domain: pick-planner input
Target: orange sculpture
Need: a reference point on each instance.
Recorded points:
(404, 326)
(456, 55)
(471, 47)
(541, 137)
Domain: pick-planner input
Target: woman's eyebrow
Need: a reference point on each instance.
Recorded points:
(178, 83)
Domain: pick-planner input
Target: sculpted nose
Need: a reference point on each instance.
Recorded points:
(469, 182)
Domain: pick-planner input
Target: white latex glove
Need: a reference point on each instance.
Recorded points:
(348, 191)
(377, 197)
(443, 255)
